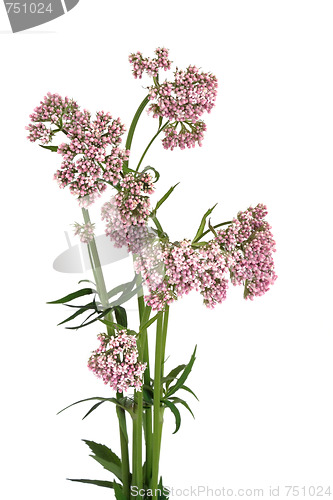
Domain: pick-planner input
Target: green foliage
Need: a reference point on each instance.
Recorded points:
(74, 295)
(182, 379)
(203, 224)
(96, 482)
(103, 455)
(54, 149)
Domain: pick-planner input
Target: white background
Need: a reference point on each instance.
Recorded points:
(264, 371)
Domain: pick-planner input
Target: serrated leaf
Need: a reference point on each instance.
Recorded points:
(203, 223)
(183, 376)
(110, 466)
(118, 491)
(103, 452)
(72, 296)
(54, 149)
(96, 482)
(175, 411)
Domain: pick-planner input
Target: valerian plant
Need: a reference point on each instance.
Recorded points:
(238, 251)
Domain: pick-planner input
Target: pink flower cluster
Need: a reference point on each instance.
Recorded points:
(150, 66)
(244, 250)
(251, 245)
(115, 361)
(92, 157)
(186, 137)
(181, 101)
(185, 269)
(84, 231)
(191, 94)
(127, 213)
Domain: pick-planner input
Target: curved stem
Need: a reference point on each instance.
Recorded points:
(150, 143)
(133, 126)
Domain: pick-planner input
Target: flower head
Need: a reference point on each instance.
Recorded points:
(148, 65)
(250, 244)
(92, 157)
(115, 361)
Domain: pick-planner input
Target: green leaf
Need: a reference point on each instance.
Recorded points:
(183, 376)
(54, 149)
(125, 297)
(182, 402)
(101, 315)
(203, 224)
(173, 374)
(118, 491)
(107, 465)
(164, 198)
(91, 305)
(93, 408)
(175, 411)
(190, 391)
(97, 482)
(122, 288)
(102, 451)
(163, 493)
(121, 315)
(86, 281)
(72, 296)
(111, 400)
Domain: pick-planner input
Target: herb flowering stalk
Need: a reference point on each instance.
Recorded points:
(239, 251)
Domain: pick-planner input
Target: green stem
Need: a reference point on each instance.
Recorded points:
(158, 414)
(125, 470)
(133, 126)
(150, 143)
(164, 335)
(102, 292)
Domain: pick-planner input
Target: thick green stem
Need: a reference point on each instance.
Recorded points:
(125, 470)
(144, 313)
(103, 295)
(158, 414)
(98, 273)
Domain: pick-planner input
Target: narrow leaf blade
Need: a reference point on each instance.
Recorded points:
(183, 376)
(176, 413)
(203, 223)
(96, 482)
(72, 296)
